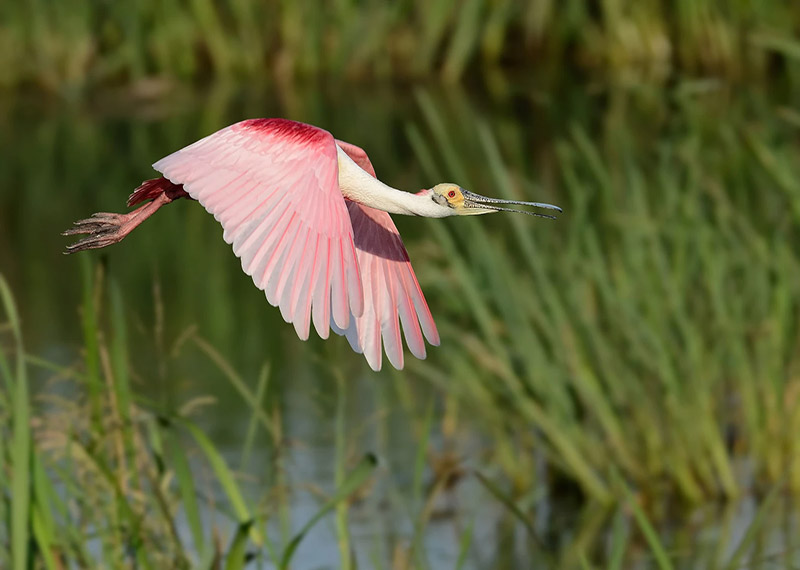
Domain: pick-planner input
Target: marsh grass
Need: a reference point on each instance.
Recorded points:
(651, 330)
(93, 478)
(69, 45)
(153, 491)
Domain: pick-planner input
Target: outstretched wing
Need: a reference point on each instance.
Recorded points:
(390, 287)
(273, 185)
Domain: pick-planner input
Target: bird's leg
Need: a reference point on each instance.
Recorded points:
(105, 228)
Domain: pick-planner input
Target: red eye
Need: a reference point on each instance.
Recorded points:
(452, 194)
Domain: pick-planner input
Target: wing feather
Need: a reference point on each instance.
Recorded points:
(390, 326)
(338, 294)
(413, 334)
(320, 297)
(392, 295)
(273, 185)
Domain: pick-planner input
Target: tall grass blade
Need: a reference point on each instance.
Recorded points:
(354, 480)
(46, 505)
(224, 476)
(464, 39)
(753, 531)
(20, 452)
(342, 530)
(464, 545)
(44, 538)
(507, 502)
(251, 399)
(645, 526)
(186, 487)
(252, 427)
(619, 539)
(237, 553)
(787, 46)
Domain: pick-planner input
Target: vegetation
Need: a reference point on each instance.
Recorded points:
(654, 332)
(634, 358)
(604, 382)
(92, 479)
(74, 44)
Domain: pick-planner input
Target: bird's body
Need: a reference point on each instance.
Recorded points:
(310, 222)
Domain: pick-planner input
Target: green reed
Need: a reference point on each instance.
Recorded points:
(73, 44)
(94, 478)
(651, 328)
(15, 402)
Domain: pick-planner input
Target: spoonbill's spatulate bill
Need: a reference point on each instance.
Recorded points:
(310, 222)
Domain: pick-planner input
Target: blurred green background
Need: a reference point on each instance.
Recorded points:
(616, 389)
(76, 45)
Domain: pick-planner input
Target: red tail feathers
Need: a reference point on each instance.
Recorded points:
(150, 189)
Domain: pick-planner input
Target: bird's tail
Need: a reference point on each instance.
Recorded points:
(150, 189)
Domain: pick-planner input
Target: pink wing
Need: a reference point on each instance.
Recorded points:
(273, 185)
(390, 286)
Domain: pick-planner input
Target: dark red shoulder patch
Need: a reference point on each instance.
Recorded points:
(284, 128)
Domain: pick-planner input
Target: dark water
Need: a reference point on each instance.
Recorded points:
(60, 161)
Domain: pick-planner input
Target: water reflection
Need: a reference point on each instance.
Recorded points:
(179, 282)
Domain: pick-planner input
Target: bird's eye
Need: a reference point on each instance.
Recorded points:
(452, 194)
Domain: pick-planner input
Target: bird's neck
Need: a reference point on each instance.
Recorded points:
(359, 186)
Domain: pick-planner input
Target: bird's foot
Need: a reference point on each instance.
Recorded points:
(103, 229)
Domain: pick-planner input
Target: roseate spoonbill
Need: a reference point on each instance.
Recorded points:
(310, 222)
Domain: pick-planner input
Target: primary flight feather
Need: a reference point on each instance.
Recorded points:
(310, 222)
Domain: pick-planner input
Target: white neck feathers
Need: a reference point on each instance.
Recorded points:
(360, 187)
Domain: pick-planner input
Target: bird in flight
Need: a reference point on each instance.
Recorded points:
(310, 222)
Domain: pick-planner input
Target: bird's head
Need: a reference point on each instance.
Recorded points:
(461, 202)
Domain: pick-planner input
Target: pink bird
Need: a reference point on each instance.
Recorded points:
(310, 222)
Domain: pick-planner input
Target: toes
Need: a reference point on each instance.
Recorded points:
(102, 229)
(99, 222)
(82, 229)
(90, 242)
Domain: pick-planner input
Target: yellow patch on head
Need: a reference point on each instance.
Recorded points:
(451, 193)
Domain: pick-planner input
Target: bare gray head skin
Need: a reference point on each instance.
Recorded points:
(466, 203)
